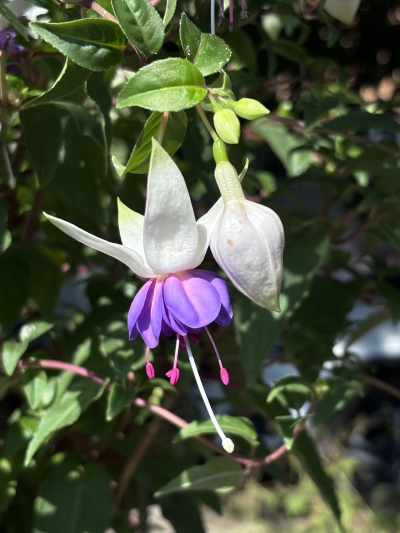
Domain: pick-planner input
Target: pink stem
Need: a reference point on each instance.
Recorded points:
(215, 348)
(160, 411)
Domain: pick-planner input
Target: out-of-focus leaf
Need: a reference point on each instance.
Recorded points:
(166, 85)
(12, 353)
(35, 383)
(169, 12)
(316, 108)
(332, 401)
(232, 425)
(5, 235)
(258, 328)
(98, 91)
(362, 121)
(392, 296)
(95, 44)
(14, 20)
(67, 411)
(118, 398)
(141, 23)
(293, 395)
(8, 484)
(174, 134)
(291, 50)
(219, 474)
(285, 145)
(74, 500)
(181, 512)
(72, 77)
(208, 52)
(14, 286)
(33, 330)
(44, 139)
(304, 449)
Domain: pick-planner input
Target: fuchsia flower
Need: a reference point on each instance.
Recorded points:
(166, 245)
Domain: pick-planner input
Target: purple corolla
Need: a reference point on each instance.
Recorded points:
(166, 245)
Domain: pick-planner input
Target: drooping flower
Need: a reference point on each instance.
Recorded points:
(166, 245)
(247, 239)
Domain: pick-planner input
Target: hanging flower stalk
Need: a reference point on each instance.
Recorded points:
(166, 245)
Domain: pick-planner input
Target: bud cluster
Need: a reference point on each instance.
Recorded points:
(227, 110)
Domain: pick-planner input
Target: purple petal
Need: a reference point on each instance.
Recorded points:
(150, 318)
(193, 301)
(137, 307)
(225, 315)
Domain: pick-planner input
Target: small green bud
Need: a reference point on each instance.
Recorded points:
(250, 109)
(227, 125)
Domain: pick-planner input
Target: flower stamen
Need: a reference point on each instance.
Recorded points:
(223, 371)
(173, 374)
(149, 367)
(227, 444)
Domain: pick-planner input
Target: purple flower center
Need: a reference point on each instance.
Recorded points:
(184, 304)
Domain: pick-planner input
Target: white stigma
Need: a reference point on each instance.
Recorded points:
(227, 444)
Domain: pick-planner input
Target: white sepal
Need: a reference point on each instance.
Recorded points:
(205, 228)
(130, 226)
(248, 243)
(170, 232)
(343, 10)
(127, 256)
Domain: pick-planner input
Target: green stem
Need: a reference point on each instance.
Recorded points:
(206, 123)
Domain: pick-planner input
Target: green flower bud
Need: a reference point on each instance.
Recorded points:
(250, 109)
(227, 125)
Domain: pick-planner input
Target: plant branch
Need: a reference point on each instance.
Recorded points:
(378, 383)
(298, 126)
(100, 10)
(206, 123)
(162, 412)
(33, 215)
(138, 453)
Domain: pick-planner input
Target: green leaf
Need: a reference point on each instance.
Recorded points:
(118, 398)
(285, 145)
(173, 137)
(12, 353)
(304, 449)
(316, 108)
(169, 12)
(44, 139)
(190, 37)
(67, 411)
(333, 400)
(141, 23)
(33, 330)
(181, 512)
(362, 121)
(35, 384)
(208, 52)
(234, 425)
(97, 90)
(8, 484)
(291, 50)
(219, 474)
(74, 500)
(167, 85)
(292, 395)
(95, 44)
(286, 425)
(258, 328)
(14, 20)
(71, 78)
(14, 287)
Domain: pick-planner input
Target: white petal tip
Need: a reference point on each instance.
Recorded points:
(228, 445)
